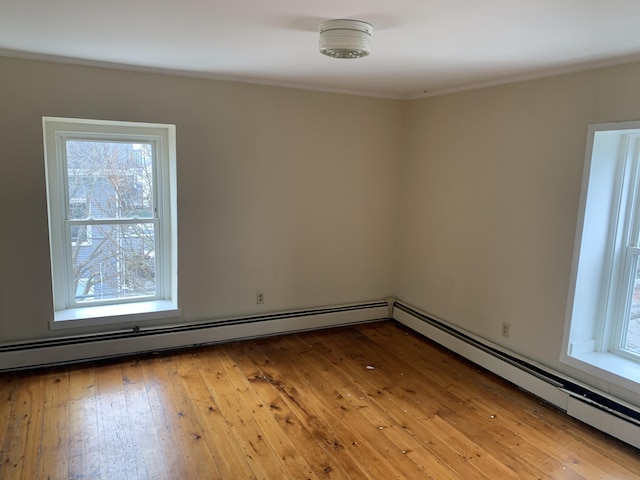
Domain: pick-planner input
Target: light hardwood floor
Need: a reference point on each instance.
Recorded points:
(372, 401)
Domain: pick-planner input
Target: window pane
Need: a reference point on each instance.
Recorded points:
(112, 179)
(119, 262)
(80, 233)
(631, 331)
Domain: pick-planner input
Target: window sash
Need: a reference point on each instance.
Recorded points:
(71, 297)
(94, 226)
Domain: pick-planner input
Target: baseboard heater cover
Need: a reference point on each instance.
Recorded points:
(138, 340)
(615, 417)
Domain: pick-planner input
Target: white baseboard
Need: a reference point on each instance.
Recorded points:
(526, 374)
(89, 347)
(532, 377)
(605, 422)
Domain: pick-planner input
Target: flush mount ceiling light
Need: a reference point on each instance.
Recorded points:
(345, 38)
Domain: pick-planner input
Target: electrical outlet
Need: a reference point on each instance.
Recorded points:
(259, 298)
(505, 329)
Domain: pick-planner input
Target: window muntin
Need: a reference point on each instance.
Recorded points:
(111, 193)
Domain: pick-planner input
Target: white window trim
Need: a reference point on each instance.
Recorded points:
(165, 304)
(115, 314)
(593, 308)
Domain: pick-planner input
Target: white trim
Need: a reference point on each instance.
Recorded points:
(81, 348)
(578, 348)
(604, 422)
(608, 224)
(612, 368)
(162, 138)
(610, 423)
(516, 375)
(74, 349)
(113, 314)
(434, 92)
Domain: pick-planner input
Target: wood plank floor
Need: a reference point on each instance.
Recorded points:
(373, 401)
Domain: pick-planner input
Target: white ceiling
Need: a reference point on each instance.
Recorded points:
(420, 47)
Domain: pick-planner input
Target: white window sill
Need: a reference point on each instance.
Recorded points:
(609, 367)
(111, 314)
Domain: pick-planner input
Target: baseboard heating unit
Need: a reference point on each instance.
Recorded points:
(138, 340)
(602, 411)
(595, 408)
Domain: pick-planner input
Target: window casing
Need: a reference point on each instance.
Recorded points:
(112, 220)
(602, 330)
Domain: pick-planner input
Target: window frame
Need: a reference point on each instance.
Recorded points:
(625, 243)
(68, 312)
(608, 230)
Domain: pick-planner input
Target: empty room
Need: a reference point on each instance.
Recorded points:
(358, 239)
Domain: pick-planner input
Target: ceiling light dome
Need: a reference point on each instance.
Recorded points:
(345, 38)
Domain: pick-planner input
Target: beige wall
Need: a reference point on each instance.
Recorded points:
(279, 190)
(490, 192)
(463, 205)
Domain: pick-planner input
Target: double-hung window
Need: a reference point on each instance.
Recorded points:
(112, 220)
(602, 334)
